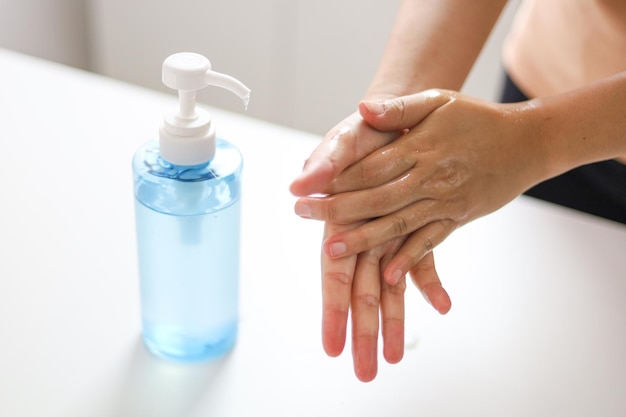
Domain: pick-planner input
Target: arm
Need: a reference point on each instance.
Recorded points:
(464, 158)
(581, 126)
(433, 44)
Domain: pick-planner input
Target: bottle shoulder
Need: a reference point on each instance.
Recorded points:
(187, 190)
(227, 164)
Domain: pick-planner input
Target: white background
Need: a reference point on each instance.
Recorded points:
(307, 62)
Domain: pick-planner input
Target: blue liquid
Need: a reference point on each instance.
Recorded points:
(188, 245)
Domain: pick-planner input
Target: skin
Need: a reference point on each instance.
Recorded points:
(456, 31)
(355, 282)
(415, 163)
(462, 158)
(453, 158)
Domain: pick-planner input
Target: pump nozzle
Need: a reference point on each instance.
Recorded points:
(232, 84)
(187, 138)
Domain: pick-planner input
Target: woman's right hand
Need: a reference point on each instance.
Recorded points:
(460, 159)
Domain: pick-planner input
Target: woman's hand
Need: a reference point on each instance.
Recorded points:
(348, 142)
(458, 158)
(355, 282)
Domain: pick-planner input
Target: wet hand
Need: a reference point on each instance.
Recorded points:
(354, 284)
(348, 142)
(458, 158)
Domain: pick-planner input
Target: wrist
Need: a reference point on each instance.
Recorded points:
(530, 153)
(582, 126)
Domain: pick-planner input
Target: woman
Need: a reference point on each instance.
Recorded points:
(419, 159)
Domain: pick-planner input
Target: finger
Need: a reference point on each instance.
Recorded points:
(403, 112)
(353, 206)
(392, 315)
(337, 276)
(380, 230)
(425, 277)
(379, 167)
(419, 244)
(347, 143)
(365, 306)
(392, 306)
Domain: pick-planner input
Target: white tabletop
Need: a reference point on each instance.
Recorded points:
(536, 328)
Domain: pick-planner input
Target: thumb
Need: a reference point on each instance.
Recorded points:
(403, 112)
(348, 142)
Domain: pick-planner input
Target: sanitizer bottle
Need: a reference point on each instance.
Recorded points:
(187, 204)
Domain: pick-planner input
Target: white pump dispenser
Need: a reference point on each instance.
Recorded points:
(187, 137)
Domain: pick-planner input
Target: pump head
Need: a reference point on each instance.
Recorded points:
(187, 137)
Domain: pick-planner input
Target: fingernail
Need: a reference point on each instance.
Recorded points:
(396, 276)
(303, 210)
(376, 107)
(304, 164)
(307, 166)
(337, 248)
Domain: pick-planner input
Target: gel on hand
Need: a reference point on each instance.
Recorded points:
(187, 205)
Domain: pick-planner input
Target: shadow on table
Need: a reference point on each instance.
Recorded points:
(149, 386)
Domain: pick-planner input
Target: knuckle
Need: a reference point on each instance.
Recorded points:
(424, 267)
(340, 210)
(341, 142)
(399, 106)
(367, 300)
(399, 160)
(397, 290)
(399, 226)
(448, 175)
(364, 175)
(341, 278)
(412, 259)
(367, 247)
(330, 210)
(428, 245)
(335, 310)
(438, 95)
(347, 138)
(348, 135)
(392, 321)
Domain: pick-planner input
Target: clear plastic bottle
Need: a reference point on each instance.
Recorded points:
(187, 204)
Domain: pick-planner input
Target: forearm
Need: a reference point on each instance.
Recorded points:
(580, 127)
(433, 44)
